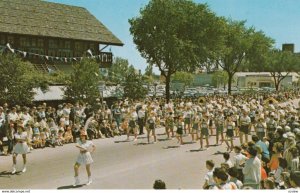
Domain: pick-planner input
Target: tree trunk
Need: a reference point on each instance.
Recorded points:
(277, 83)
(229, 83)
(168, 80)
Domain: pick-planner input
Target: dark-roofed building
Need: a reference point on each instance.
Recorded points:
(53, 35)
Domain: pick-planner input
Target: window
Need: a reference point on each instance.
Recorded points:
(23, 42)
(78, 46)
(10, 40)
(40, 43)
(67, 45)
(33, 42)
(52, 52)
(53, 43)
(2, 40)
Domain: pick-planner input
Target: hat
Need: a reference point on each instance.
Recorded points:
(289, 135)
(287, 129)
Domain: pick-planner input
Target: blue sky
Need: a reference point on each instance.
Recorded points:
(279, 19)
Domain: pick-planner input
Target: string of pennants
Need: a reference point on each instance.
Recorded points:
(25, 54)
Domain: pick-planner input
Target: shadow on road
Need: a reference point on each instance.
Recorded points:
(142, 137)
(171, 147)
(70, 187)
(144, 143)
(219, 153)
(122, 141)
(6, 174)
(163, 139)
(191, 142)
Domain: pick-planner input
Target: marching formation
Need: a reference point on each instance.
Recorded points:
(267, 130)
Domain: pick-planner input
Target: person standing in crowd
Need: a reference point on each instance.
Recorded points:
(141, 118)
(151, 126)
(252, 170)
(260, 128)
(196, 127)
(229, 125)
(295, 179)
(219, 123)
(179, 131)
(265, 151)
(221, 179)
(21, 147)
(244, 123)
(84, 158)
(274, 162)
(209, 180)
(132, 124)
(204, 123)
(169, 125)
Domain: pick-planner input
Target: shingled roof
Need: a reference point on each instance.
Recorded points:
(36, 17)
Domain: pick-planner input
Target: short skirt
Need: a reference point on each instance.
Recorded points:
(244, 129)
(84, 158)
(229, 133)
(21, 148)
(204, 131)
(187, 121)
(179, 131)
(220, 129)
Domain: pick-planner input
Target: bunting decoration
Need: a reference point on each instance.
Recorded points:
(25, 54)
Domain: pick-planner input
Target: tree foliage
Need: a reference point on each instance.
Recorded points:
(119, 70)
(175, 35)
(18, 79)
(183, 77)
(220, 78)
(243, 46)
(133, 86)
(280, 64)
(84, 81)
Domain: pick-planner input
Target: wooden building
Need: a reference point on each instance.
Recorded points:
(53, 35)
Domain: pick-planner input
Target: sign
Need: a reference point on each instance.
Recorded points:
(101, 86)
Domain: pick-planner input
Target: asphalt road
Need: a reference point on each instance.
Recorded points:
(117, 165)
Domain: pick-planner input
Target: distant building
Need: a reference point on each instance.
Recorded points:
(52, 36)
(261, 79)
(288, 47)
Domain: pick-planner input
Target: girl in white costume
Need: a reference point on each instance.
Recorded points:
(21, 147)
(84, 157)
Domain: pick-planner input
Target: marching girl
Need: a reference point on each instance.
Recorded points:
(187, 114)
(132, 124)
(219, 122)
(229, 125)
(21, 147)
(151, 126)
(204, 124)
(195, 129)
(169, 124)
(84, 157)
(179, 131)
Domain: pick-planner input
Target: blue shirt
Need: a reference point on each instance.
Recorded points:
(263, 146)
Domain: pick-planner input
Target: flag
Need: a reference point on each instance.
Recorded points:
(47, 57)
(66, 60)
(9, 47)
(89, 51)
(24, 54)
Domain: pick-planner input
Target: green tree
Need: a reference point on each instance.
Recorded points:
(18, 79)
(119, 70)
(133, 86)
(280, 64)
(175, 35)
(84, 81)
(220, 78)
(243, 46)
(183, 77)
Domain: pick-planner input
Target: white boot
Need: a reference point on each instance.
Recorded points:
(13, 169)
(77, 181)
(24, 169)
(89, 180)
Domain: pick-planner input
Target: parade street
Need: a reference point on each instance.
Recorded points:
(118, 164)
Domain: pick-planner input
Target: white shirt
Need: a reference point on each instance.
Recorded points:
(209, 177)
(251, 171)
(239, 159)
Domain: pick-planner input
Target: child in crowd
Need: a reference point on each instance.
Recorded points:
(209, 180)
